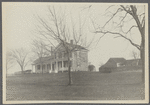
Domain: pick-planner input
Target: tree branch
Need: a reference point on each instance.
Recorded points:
(118, 10)
(120, 35)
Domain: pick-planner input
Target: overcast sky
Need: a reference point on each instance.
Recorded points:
(19, 24)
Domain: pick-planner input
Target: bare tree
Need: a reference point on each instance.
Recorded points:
(56, 30)
(20, 56)
(40, 50)
(9, 61)
(120, 15)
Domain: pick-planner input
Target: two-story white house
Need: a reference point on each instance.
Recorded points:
(58, 61)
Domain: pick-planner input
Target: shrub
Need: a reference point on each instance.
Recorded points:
(91, 67)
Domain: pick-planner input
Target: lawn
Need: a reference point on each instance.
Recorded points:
(86, 86)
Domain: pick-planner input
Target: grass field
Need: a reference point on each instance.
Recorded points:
(86, 86)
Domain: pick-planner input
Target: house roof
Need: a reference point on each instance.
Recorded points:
(118, 60)
(76, 45)
(110, 62)
(43, 59)
(70, 46)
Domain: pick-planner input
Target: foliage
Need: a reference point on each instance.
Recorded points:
(91, 67)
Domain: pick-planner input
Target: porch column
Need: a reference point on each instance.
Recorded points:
(50, 67)
(62, 54)
(62, 65)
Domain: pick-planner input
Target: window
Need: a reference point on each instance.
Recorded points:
(55, 55)
(48, 66)
(60, 55)
(65, 54)
(60, 64)
(65, 63)
(38, 67)
(43, 67)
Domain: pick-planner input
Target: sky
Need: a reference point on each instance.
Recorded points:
(19, 22)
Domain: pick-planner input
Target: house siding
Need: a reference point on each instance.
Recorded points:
(80, 61)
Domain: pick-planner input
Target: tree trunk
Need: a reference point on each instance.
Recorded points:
(143, 67)
(69, 70)
(141, 28)
(142, 54)
(22, 69)
(42, 68)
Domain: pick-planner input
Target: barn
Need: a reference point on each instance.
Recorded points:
(112, 64)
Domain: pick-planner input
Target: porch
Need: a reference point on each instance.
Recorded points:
(52, 67)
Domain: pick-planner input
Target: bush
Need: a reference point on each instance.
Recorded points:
(91, 67)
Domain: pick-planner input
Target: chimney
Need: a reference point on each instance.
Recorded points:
(71, 42)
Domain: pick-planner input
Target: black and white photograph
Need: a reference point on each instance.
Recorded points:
(75, 52)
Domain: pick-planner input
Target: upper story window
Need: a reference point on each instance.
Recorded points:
(38, 67)
(55, 55)
(60, 55)
(65, 54)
